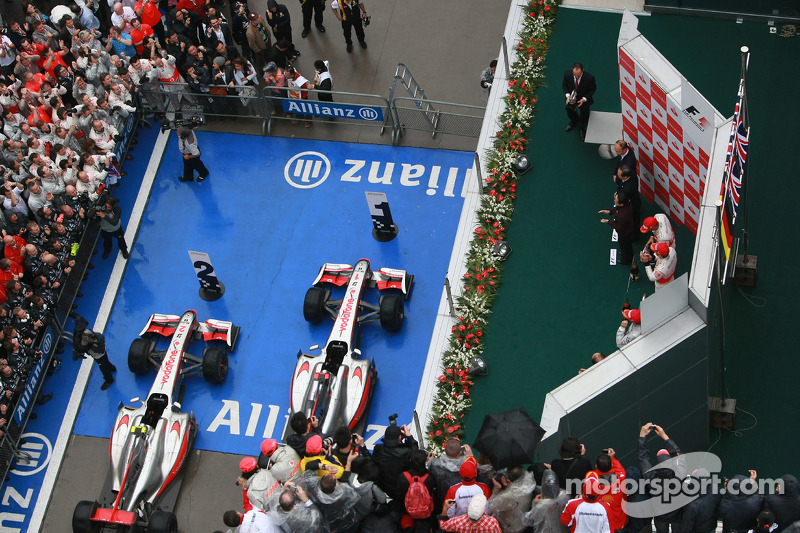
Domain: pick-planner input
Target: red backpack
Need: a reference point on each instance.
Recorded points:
(419, 503)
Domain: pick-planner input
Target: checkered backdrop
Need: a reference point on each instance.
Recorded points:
(672, 132)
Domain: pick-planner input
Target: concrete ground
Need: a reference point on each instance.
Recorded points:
(445, 45)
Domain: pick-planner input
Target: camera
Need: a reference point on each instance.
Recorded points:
(191, 122)
(353, 438)
(393, 419)
(367, 20)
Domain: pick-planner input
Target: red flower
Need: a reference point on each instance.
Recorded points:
(438, 432)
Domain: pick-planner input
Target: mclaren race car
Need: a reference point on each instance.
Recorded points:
(150, 444)
(336, 386)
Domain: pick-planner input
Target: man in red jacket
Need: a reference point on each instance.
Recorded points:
(463, 492)
(611, 475)
(589, 513)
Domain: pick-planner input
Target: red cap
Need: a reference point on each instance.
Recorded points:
(591, 488)
(662, 249)
(269, 446)
(314, 445)
(469, 470)
(632, 314)
(663, 451)
(650, 223)
(248, 464)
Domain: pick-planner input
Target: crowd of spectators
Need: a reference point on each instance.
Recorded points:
(333, 483)
(66, 91)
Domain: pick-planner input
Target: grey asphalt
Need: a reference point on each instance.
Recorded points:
(445, 45)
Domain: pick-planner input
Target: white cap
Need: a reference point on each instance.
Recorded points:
(476, 507)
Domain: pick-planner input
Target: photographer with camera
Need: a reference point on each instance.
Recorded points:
(346, 444)
(579, 86)
(187, 143)
(347, 11)
(296, 510)
(673, 518)
(110, 215)
(392, 456)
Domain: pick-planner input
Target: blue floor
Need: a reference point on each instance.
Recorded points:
(269, 217)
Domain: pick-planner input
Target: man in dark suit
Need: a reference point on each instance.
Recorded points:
(628, 182)
(217, 32)
(583, 85)
(625, 157)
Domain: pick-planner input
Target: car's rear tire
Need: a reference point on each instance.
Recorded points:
(215, 364)
(314, 305)
(81, 518)
(139, 356)
(392, 312)
(162, 522)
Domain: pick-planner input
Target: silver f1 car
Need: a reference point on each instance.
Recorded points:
(336, 386)
(150, 444)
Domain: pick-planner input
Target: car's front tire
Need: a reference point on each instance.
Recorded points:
(139, 356)
(314, 305)
(392, 312)
(215, 364)
(162, 522)
(81, 518)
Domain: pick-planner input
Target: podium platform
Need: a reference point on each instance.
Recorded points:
(603, 128)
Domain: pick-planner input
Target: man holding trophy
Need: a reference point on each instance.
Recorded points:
(579, 87)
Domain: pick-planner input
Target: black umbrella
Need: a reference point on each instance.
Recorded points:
(509, 438)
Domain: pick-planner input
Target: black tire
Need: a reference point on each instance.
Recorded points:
(162, 522)
(81, 518)
(139, 356)
(392, 312)
(215, 364)
(314, 305)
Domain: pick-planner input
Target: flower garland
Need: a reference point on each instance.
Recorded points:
(452, 401)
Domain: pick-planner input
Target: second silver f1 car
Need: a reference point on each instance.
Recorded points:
(336, 386)
(150, 443)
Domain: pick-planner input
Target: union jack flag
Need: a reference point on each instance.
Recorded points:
(737, 156)
(734, 172)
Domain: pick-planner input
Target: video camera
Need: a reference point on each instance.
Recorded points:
(100, 203)
(191, 122)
